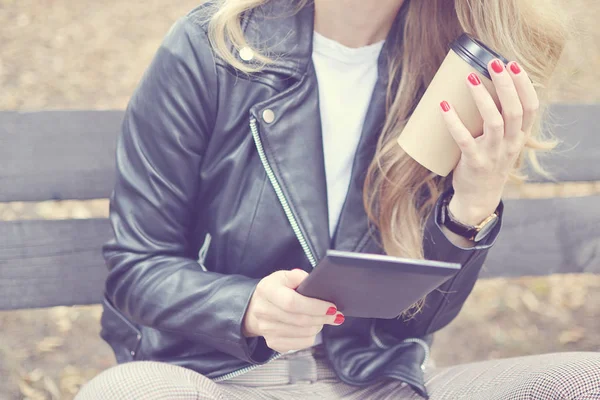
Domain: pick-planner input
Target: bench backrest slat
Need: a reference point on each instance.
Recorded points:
(576, 158)
(51, 263)
(57, 155)
(547, 236)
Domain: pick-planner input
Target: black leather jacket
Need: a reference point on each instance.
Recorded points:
(210, 197)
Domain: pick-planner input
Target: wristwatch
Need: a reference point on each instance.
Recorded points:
(474, 233)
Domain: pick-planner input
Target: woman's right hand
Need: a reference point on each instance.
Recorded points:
(286, 319)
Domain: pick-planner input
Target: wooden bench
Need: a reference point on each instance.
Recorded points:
(61, 155)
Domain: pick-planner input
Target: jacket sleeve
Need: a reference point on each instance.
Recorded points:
(443, 304)
(154, 278)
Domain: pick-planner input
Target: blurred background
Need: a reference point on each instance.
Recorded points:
(61, 54)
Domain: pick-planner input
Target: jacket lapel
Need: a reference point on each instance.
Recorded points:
(353, 224)
(290, 136)
(293, 146)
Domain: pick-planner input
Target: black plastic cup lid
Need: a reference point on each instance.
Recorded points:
(477, 54)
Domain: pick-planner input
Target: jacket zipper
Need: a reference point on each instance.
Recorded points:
(203, 252)
(295, 227)
(284, 203)
(242, 371)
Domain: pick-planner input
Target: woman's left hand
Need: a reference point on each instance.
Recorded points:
(486, 161)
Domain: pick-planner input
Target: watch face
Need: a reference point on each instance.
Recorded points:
(486, 229)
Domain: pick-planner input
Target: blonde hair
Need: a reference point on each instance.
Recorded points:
(399, 193)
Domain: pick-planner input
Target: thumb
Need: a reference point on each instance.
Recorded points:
(292, 279)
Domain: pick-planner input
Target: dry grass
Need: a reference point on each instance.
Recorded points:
(90, 54)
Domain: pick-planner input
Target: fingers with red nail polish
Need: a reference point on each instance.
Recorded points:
(474, 79)
(514, 68)
(528, 100)
(497, 66)
(508, 105)
(286, 319)
(445, 106)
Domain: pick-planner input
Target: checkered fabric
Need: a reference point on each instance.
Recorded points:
(307, 375)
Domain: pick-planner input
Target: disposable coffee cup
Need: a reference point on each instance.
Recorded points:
(425, 137)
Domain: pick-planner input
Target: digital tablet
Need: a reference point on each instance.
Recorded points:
(372, 285)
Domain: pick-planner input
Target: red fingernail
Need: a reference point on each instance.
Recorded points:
(497, 66)
(474, 79)
(339, 319)
(331, 310)
(514, 67)
(445, 106)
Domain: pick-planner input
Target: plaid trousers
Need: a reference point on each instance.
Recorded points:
(307, 375)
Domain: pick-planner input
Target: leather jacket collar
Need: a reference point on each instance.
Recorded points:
(287, 32)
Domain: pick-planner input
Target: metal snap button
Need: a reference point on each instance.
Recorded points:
(132, 353)
(268, 116)
(246, 53)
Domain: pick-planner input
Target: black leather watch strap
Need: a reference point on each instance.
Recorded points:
(470, 232)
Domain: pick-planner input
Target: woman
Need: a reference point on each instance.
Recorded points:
(263, 134)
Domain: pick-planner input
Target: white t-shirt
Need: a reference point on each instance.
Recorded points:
(346, 78)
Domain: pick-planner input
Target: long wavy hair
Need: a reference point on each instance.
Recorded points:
(399, 193)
